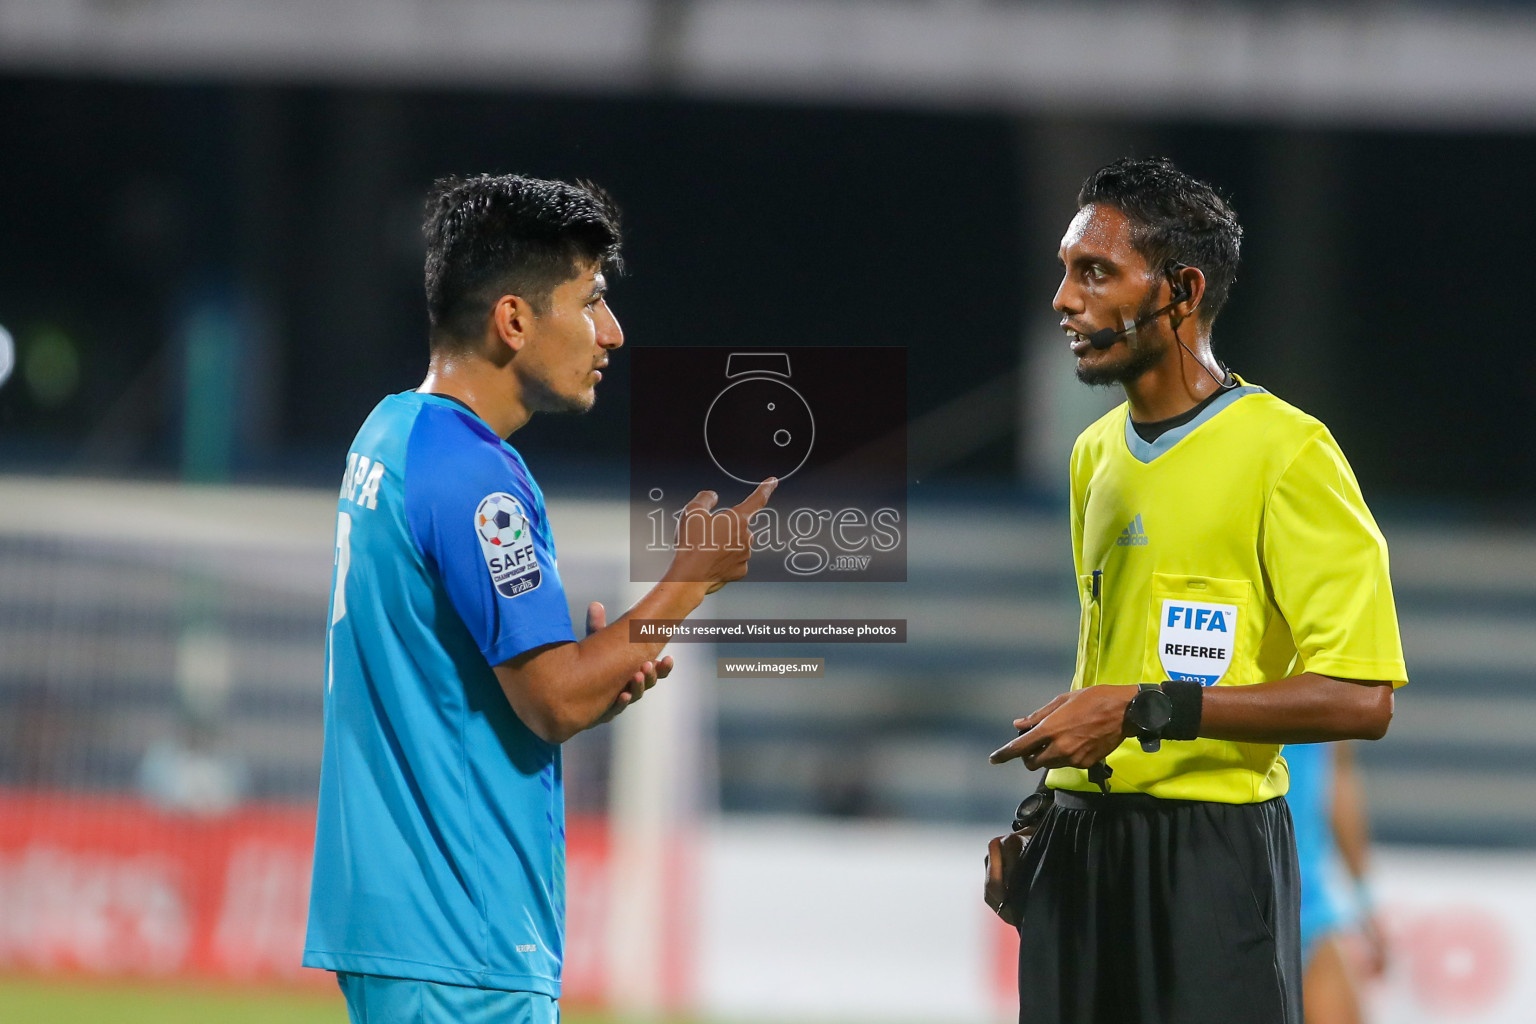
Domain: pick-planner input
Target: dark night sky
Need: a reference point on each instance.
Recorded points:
(747, 225)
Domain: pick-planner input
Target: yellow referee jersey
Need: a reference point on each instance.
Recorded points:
(1234, 549)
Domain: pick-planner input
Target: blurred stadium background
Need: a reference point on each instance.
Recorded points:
(210, 264)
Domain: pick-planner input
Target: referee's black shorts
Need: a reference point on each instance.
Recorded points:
(1144, 911)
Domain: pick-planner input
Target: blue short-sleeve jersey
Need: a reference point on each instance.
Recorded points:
(440, 839)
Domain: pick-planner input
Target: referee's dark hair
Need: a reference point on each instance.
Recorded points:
(1174, 219)
(494, 235)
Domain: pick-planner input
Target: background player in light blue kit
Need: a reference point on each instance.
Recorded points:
(452, 671)
(1333, 853)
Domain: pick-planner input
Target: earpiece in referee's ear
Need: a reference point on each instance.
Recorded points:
(1178, 287)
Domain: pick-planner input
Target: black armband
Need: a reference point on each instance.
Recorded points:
(1188, 698)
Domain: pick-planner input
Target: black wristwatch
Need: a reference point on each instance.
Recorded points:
(1149, 713)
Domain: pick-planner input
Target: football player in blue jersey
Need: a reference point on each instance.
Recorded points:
(1327, 805)
(452, 670)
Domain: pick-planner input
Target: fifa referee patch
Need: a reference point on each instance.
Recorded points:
(1195, 639)
(506, 540)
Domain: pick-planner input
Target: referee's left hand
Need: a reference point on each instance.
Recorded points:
(1076, 730)
(1003, 855)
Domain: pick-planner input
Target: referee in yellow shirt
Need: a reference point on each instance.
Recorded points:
(1235, 597)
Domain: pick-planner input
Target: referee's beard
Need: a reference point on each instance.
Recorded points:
(1137, 360)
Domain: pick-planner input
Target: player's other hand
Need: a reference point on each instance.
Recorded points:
(1375, 953)
(643, 679)
(633, 690)
(714, 547)
(1075, 730)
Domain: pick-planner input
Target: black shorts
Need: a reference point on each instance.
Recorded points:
(1144, 911)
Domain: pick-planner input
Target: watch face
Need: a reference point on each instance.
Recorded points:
(757, 428)
(1151, 710)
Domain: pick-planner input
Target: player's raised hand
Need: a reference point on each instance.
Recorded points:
(714, 547)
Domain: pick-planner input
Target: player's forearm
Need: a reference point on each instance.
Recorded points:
(668, 599)
(1350, 828)
(607, 659)
(1308, 708)
(561, 691)
(594, 672)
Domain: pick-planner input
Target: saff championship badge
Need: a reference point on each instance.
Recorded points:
(1195, 639)
(506, 540)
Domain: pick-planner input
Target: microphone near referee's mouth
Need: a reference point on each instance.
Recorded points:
(1105, 337)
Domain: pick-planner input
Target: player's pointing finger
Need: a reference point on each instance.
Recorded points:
(758, 498)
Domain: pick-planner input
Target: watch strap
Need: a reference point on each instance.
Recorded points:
(1188, 699)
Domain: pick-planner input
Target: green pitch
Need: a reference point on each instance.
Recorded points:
(87, 1002)
(26, 1001)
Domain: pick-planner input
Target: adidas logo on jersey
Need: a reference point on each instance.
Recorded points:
(1133, 536)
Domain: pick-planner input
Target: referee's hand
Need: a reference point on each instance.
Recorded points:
(1002, 856)
(1076, 730)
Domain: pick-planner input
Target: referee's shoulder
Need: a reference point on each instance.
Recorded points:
(1281, 424)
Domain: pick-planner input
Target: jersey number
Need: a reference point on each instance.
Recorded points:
(339, 592)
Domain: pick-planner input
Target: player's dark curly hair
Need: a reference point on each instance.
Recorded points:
(494, 235)
(1175, 219)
